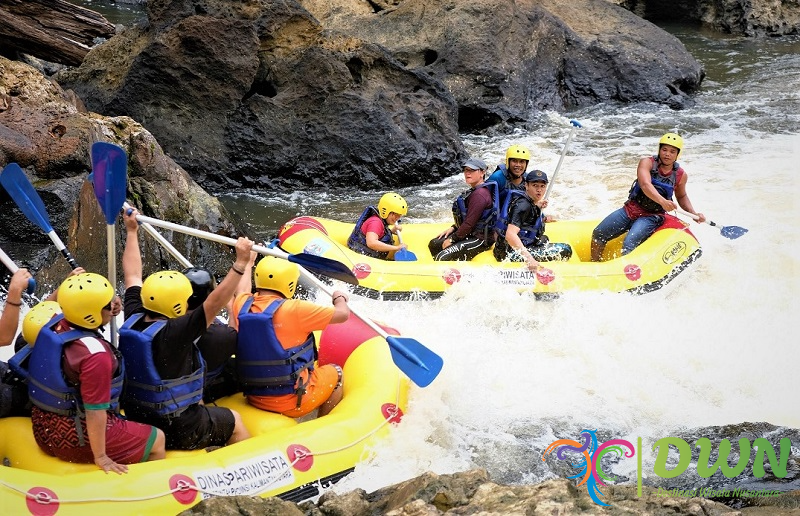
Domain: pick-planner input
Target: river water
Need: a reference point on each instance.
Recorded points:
(713, 348)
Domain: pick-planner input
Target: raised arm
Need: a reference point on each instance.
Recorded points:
(222, 295)
(132, 256)
(10, 319)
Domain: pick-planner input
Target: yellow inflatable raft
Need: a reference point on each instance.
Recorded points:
(649, 267)
(284, 457)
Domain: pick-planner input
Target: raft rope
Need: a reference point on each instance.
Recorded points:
(653, 256)
(44, 498)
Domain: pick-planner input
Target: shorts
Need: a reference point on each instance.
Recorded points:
(127, 442)
(199, 426)
(324, 380)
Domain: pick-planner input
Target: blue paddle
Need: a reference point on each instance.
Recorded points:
(419, 363)
(731, 232)
(403, 255)
(12, 267)
(24, 194)
(109, 178)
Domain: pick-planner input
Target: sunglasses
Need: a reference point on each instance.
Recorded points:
(108, 306)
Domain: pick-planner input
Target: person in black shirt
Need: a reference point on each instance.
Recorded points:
(523, 239)
(164, 380)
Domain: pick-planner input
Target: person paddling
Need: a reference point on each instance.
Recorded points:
(657, 179)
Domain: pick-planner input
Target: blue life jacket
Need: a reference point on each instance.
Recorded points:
(265, 367)
(47, 386)
(530, 232)
(488, 217)
(664, 185)
(358, 240)
(145, 390)
(18, 363)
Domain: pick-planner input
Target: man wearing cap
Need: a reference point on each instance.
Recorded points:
(475, 212)
(521, 231)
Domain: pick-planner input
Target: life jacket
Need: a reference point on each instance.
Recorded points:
(664, 185)
(48, 388)
(530, 233)
(358, 240)
(486, 223)
(145, 390)
(18, 363)
(265, 367)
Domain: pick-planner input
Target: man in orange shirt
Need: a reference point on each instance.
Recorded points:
(276, 350)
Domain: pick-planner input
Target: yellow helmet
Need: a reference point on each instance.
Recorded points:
(82, 298)
(392, 202)
(518, 152)
(36, 318)
(671, 139)
(274, 273)
(167, 293)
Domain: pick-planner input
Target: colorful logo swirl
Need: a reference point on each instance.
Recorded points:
(589, 466)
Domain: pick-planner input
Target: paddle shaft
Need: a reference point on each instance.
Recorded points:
(111, 250)
(12, 267)
(325, 288)
(209, 236)
(694, 217)
(158, 237)
(575, 125)
(259, 249)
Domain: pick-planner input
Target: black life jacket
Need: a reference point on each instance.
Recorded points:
(533, 228)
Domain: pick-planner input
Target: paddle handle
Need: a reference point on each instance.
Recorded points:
(12, 267)
(575, 125)
(158, 237)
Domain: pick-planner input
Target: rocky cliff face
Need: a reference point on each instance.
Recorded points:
(258, 94)
(270, 95)
(48, 132)
(503, 60)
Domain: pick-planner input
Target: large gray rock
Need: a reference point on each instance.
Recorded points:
(505, 59)
(257, 94)
(49, 134)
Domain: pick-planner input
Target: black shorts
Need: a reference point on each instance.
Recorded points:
(199, 426)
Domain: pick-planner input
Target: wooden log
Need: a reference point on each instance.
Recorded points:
(53, 30)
